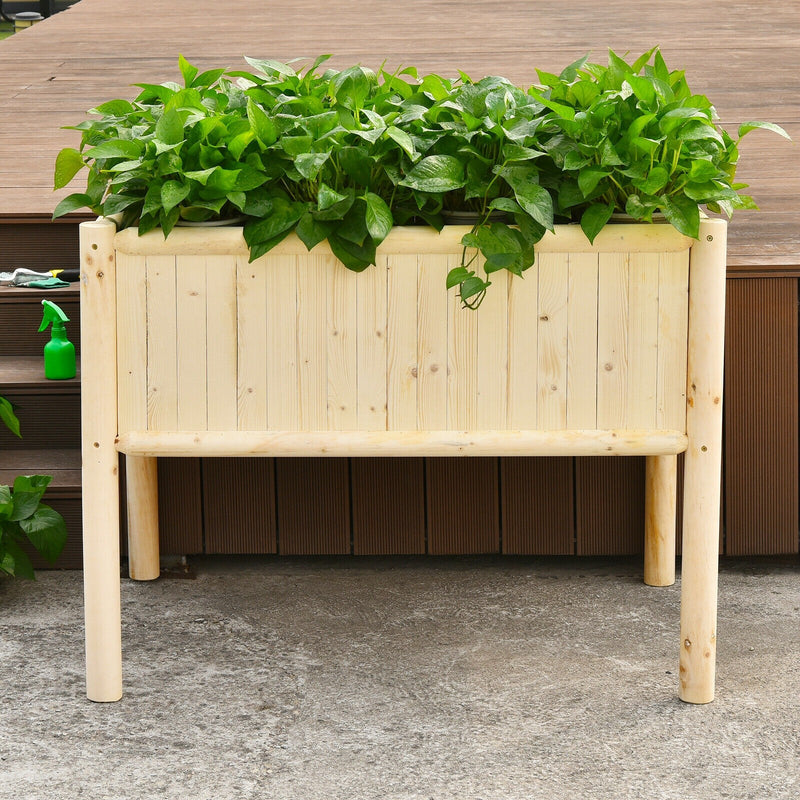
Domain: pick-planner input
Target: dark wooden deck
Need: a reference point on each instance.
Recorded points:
(742, 54)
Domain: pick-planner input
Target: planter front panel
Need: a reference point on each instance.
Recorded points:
(296, 342)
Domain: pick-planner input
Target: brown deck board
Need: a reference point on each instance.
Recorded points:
(741, 55)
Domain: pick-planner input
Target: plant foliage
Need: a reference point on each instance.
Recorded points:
(23, 515)
(344, 156)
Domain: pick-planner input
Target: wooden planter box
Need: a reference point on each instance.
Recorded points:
(606, 349)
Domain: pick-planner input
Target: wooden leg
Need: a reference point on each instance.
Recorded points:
(142, 489)
(100, 462)
(701, 504)
(661, 479)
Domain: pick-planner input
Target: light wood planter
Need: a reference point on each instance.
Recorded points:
(614, 348)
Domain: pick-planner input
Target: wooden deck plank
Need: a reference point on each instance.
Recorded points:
(743, 60)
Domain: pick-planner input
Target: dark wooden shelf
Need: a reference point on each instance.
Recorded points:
(64, 465)
(26, 374)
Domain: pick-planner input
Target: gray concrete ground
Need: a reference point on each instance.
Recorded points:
(398, 679)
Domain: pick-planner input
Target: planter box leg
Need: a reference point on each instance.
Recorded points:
(703, 465)
(142, 490)
(100, 462)
(661, 479)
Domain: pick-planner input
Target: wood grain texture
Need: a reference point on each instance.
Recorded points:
(761, 431)
(388, 499)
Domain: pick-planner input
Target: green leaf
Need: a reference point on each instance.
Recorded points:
(589, 177)
(351, 87)
(200, 175)
(767, 126)
(28, 491)
(595, 218)
(169, 128)
(656, 180)
(15, 561)
(8, 417)
(355, 257)
(473, 287)
(262, 126)
(683, 214)
(116, 148)
(379, 217)
(46, 531)
(403, 139)
(72, 203)
(505, 204)
(439, 173)
(563, 111)
(68, 163)
(283, 218)
(115, 203)
(643, 89)
(270, 67)
(187, 70)
(173, 193)
(535, 201)
(6, 505)
(311, 231)
(309, 164)
(113, 108)
(702, 170)
(569, 73)
(457, 275)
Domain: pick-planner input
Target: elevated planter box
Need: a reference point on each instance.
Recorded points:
(189, 350)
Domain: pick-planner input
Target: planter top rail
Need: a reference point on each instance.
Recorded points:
(614, 238)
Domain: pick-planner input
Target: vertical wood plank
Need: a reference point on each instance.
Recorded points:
(321, 526)
(282, 384)
(132, 348)
(401, 336)
(761, 417)
(523, 349)
(180, 506)
(537, 506)
(251, 294)
(222, 347)
(432, 343)
(465, 519)
(642, 383)
(612, 340)
(342, 347)
(673, 323)
(239, 505)
(371, 321)
(388, 506)
(609, 510)
(462, 361)
(492, 368)
(162, 368)
(190, 287)
(312, 356)
(582, 342)
(552, 335)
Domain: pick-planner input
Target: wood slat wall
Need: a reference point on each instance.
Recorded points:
(761, 417)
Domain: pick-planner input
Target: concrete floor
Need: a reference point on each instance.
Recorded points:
(398, 679)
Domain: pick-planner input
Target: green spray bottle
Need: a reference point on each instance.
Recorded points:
(59, 352)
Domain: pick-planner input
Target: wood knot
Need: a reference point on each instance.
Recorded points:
(687, 644)
(434, 367)
(413, 372)
(100, 274)
(544, 318)
(608, 367)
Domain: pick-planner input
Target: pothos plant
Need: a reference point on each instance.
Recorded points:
(344, 156)
(23, 515)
